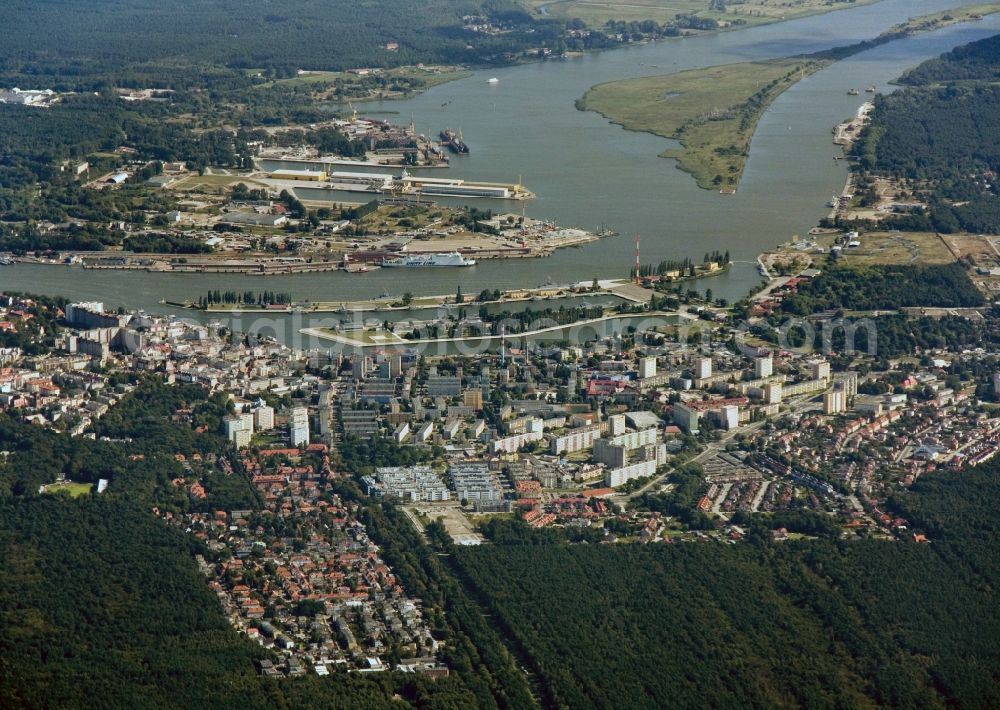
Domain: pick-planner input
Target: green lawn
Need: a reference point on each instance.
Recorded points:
(74, 490)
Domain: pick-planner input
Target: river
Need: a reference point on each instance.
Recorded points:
(588, 172)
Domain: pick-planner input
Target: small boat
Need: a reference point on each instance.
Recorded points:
(853, 92)
(870, 89)
(493, 80)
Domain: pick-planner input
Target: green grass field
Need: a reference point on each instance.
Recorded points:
(899, 248)
(73, 490)
(713, 112)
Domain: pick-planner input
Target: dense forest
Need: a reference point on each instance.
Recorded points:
(943, 140)
(884, 288)
(934, 133)
(974, 61)
(78, 43)
(821, 623)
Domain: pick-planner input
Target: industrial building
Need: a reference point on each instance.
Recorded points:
(303, 175)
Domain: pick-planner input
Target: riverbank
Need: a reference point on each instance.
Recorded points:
(379, 337)
(386, 304)
(623, 289)
(714, 111)
(361, 85)
(734, 16)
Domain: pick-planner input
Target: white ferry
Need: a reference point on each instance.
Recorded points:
(442, 259)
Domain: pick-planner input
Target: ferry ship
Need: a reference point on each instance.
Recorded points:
(443, 259)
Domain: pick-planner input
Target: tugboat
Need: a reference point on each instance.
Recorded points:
(454, 141)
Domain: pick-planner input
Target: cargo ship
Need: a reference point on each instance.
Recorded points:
(442, 259)
(454, 141)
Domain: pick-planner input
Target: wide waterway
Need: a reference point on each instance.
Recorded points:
(588, 172)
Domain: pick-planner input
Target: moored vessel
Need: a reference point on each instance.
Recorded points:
(441, 259)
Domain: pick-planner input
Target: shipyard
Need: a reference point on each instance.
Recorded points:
(402, 183)
(258, 236)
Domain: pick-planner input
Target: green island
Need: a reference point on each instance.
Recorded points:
(713, 112)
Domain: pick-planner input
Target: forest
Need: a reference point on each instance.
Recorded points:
(939, 133)
(976, 61)
(38, 145)
(942, 134)
(363, 456)
(884, 288)
(82, 44)
(821, 623)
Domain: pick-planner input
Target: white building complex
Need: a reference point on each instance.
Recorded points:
(413, 484)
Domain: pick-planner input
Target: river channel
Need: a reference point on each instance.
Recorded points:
(587, 172)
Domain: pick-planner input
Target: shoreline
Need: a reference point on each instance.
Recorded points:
(397, 341)
(696, 165)
(618, 288)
